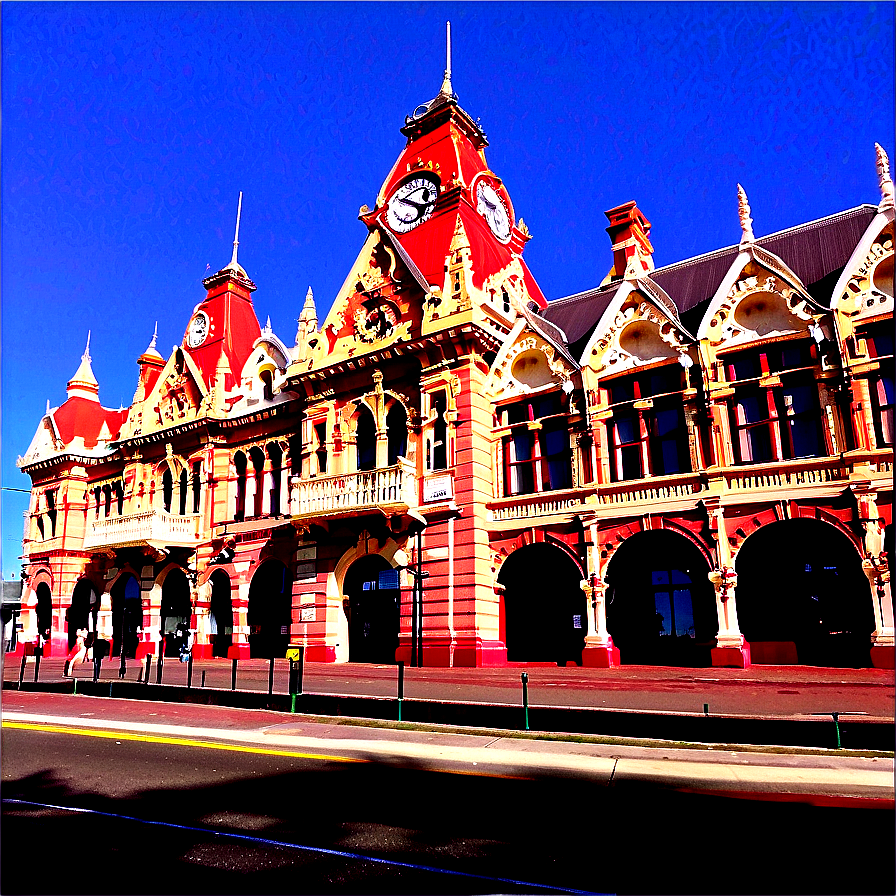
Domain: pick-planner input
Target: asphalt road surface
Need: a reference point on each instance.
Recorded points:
(100, 811)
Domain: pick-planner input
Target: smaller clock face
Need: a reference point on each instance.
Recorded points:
(378, 322)
(197, 330)
(412, 203)
(491, 206)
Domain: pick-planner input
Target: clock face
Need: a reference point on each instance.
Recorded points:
(412, 203)
(197, 330)
(378, 322)
(491, 206)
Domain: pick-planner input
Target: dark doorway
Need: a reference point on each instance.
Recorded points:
(82, 612)
(127, 616)
(221, 614)
(661, 608)
(176, 610)
(372, 588)
(545, 611)
(800, 585)
(270, 610)
(44, 611)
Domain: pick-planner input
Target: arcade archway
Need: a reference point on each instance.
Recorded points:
(802, 596)
(544, 608)
(82, 611)
(176, 609)
(127, 616)
(44, 610)
(371, 590)
(220, 614)
(270, 610)
(661, 607)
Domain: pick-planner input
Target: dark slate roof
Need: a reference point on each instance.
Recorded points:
(816, 252)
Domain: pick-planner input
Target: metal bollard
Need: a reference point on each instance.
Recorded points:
(400, 686)
(233, 675)
(525, 679)
(97, 667)
(37, 656)
(147, 669)
(123, 666)
(271, 676)
(190, 671)
(202, 683)
(160, 662)
(22, 670)
(836, 717)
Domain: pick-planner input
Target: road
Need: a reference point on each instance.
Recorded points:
(89, 807)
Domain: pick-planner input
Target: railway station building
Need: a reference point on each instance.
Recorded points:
(686, 465)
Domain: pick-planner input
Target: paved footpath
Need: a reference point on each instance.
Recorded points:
(821, 777)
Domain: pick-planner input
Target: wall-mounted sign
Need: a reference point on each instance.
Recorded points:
(306, 562)
(438, 488)
(306, 614)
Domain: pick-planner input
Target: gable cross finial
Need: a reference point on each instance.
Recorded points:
(155, 335)
(236, 236)
(446, 83)
(86, 355)
(887, 199)
(746, 222)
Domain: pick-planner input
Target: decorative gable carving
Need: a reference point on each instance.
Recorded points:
(526, 363)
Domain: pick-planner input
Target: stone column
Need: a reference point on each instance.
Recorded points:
(877, 569)
(599, 651)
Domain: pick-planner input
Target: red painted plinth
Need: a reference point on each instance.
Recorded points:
(882, 656)
(732, 657)
(480, 653)
(238, 652)
(320, 653)
(145, 649)
(202, 651)
(601, 657)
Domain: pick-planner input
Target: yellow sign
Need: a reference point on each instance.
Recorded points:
(294, 653)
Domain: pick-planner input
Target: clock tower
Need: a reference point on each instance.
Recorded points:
(224, 327)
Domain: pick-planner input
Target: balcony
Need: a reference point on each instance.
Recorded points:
(152, 527)
(391, 490)
(540, 507)
(668, 491)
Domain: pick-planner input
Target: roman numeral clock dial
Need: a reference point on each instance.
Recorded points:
(491, 205)
(412, 204)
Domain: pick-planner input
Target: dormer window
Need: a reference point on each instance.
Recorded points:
(537, 454)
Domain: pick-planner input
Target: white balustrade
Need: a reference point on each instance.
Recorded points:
(149, 526)
(325, 495)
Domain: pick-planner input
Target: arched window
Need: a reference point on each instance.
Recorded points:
(167, 489)
(267, 382)
(366, 439)
(184, 487)
(397, 426)
(240, 464)
(276, 456)
(197, 485)
(257, 456)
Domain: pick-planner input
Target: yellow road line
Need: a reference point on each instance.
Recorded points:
(175, 741)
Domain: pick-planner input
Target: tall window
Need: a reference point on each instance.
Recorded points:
(437, 434)
(51, 511)
(320, 435)
(397, 427)
(780, 418)
(276, 455)
(196, 481)
(257, 456)
(647, 433)
(240, 463)
(537, 453)
(879, 340)
(167, 489)
(366, 436)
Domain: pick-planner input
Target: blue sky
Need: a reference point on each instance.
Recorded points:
(129, 129)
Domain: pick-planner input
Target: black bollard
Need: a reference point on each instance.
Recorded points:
(123, 666)
(190, 671)
(97, 666)
(202, 683)
(525, 679)
(271, 676)
(400, 686)
(233, 675)
(147, 669)
(159, 663)
(22, 670)
(37, 656)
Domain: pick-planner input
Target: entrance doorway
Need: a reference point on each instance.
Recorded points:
(270, 610)
(660, 603)
(220, 614)
(176, 610)
(545, 610)
(44, 611)
(127, 616)
(802, 596)
(371, 587)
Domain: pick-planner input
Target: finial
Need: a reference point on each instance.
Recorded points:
(883, 175)
(155, 335)
(446, 83)
(746, 222)
(236, 236)
(86, 355)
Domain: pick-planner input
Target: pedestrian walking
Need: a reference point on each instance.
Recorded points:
(77, 654)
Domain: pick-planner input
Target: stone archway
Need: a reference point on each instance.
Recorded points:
(270, 610)
(371, 591)
(176, 609)
(802, 596)
(661, 608)
(220, 613)
(544, 615)
(127, 615)
(82, 611)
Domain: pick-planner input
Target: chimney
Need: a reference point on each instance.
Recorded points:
(630, 232)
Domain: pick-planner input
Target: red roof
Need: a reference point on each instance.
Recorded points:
(85, 418)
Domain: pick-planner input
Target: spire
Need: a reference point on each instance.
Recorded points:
(883, 176)
(746, 222)
(83, 384)
(445, 89)
(151, 349)
(234, 264)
